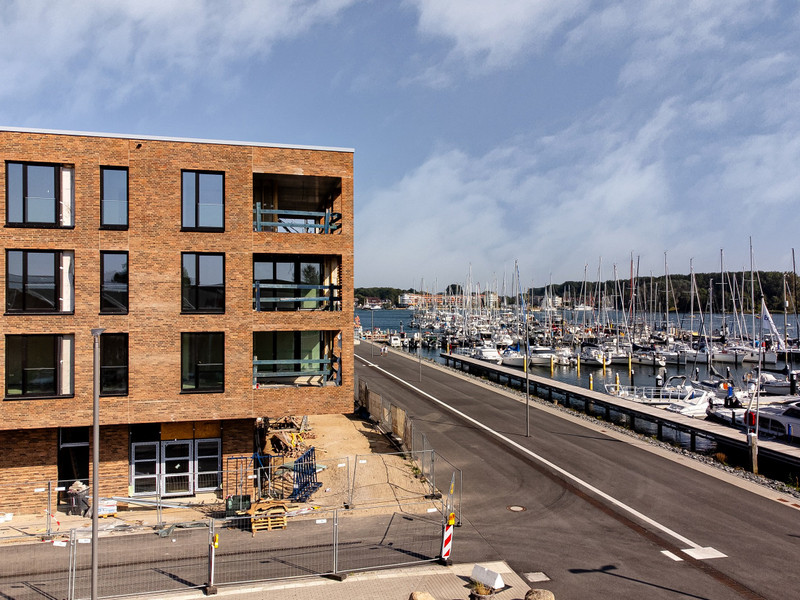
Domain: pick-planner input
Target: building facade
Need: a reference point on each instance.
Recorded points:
(221, 274)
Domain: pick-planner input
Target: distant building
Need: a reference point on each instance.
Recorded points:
(222, 275)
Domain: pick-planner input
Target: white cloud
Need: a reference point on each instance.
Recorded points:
(93, 51)
(606, 186)
(496, 34)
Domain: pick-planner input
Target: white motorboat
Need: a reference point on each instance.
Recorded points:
(488, 352)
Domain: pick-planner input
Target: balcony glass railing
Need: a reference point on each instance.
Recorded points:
(276, 296)
(295, 221)
(321, 372)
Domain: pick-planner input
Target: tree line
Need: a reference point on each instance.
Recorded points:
(739, 291)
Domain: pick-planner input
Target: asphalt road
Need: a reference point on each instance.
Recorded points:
(604, 517)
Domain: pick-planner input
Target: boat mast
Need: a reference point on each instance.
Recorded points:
(722, 327)
(666, 295)
(691, 299)
(752, 294)
(794, 296)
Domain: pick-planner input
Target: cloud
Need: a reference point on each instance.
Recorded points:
(608, 185)
(495, 34)
(96, 52)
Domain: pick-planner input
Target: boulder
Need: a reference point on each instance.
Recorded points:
(420, 596)
(539, 595)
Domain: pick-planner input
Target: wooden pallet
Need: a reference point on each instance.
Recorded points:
(267, 515)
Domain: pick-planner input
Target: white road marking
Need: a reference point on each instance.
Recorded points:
(695, 550)
(672, 555)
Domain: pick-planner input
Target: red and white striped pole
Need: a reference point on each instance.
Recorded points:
(447, 535)
(447, 539)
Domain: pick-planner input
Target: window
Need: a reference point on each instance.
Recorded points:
(202, 282)
(39, 366)
(39, 281)
(296, 282)
(208, 456)
(114, 282)
(114, 197)
(114, 364)
(203, 200)
(202, 362)
(39, 195)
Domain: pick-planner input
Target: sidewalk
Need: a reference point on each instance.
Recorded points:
(443, 583)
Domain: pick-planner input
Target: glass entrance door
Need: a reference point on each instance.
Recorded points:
(177, 472)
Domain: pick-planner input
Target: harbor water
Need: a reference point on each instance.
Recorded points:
(397, 321)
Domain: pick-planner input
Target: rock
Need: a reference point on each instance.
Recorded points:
(539, 595)
(420, 596)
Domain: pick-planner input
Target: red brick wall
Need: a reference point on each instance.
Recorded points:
(154, 243)
(28, 460)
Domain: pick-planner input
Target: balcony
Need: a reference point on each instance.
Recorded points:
(296, 358)
(286, 282)
(296, 203)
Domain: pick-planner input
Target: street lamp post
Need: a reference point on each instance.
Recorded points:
(95, 455)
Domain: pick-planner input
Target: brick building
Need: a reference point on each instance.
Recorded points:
(222, 275)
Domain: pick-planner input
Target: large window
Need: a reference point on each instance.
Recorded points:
(39, 195)
(203, 200)
(114, 197)
(114, 364)
(39, 281)
(295, 282)
(39, 366)
(114, 282)
(294, 358)
(202, 362)
(202, 282)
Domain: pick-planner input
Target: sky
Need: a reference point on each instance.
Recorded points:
(566, 136)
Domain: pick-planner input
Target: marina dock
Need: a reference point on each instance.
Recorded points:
(630, 414)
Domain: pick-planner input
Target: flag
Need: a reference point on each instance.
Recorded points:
(768, 324)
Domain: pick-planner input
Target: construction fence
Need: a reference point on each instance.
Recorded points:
(438, 474)
(136, 560)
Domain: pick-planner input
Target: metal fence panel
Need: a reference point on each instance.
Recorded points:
(33, 569)
(303, 548)
(143, 561)
(382, 478)
(370, 538)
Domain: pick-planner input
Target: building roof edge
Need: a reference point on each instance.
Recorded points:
(156, 138)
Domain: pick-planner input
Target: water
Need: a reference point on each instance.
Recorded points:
(642, 375)
(398, 320)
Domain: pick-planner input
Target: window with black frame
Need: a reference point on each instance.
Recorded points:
(202, 282)
(39, 366)
(114, 364)
(202, 200)
(39, 281)
(114, 282)
(282, 282)
(114, 197)
(39, 195)
(202, 362)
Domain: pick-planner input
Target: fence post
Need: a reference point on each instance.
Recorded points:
(433, 472)
(73, 561)
(49, 505)
(353, 484)
(336, 575)
(213, 541)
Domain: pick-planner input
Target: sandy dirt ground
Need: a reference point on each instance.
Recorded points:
(359, 466)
